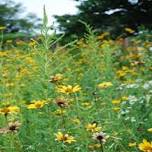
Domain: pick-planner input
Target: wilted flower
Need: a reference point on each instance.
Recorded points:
(56, 78)
(100, 136)
(12, 127)
(61, 103)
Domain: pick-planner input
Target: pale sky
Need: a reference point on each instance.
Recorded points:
(53, 7)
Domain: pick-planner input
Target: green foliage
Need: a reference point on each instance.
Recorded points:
(11, 19)
(94, 96)
(109, 15)
(114, 95)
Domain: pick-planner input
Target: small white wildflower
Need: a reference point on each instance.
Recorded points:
(139, 80)
(148, 97)
(133, 119)
(123, 112)
(127, 118)
(147, 85)
(132, 99)
(150, 49)
(130, 86)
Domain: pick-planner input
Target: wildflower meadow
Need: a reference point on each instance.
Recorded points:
(90, 95)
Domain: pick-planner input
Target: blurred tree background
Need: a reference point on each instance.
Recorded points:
(102, 15)
(107, 15)
(16, 25)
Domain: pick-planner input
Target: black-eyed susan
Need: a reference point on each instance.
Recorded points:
(12, 127)
(145, 146)
(93, 127)
(68, 89)
(100, 136)
(9, 110)
(36, 104)
(65, 138)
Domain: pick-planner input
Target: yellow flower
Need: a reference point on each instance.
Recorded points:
(76, 121)
(68, 89)
(145, 146)
(121, 73)
(149, 130)
(36, 105)
(103, 35)
(9, 84)
(87, 104)
(124, 98)
(92, 127)
(9, 41)
(94, 146)
(10, 109)
(64, 138)
(105, 85)
(59, 112)
(3, 54)
(132, 144)
(116, 101)
(129, 30)
(2, 28)
(116, 109)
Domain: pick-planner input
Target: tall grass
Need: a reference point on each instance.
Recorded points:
(95, 95)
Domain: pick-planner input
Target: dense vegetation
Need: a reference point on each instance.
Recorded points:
(94, 95)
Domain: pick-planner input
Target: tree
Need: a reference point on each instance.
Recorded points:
(108, 15)
(11, 19)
